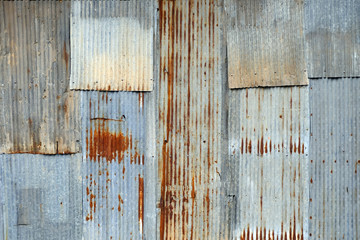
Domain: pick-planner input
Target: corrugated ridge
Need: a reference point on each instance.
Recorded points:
(38, 114)
(115, 128)
(334, 159)
(332, 30)
(41, 196)
(189, 113)
(265, 43)
(112, 44)
(268, 145)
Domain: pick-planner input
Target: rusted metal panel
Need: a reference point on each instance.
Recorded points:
(38, 113)
(118, 201)
(265, 43)
(41, 196)
(332, 30)
(334, 171)
(268, 145)
(112, 43)
(190, 98)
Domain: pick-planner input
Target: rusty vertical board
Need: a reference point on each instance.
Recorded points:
(40, 196)
(334, 201)
(117, 167)
(332, 34)
(189, 126)
(112, 44)
(268, 145)
(265, 43)
(38, 112)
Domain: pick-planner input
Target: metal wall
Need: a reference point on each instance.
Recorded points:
(191, 159)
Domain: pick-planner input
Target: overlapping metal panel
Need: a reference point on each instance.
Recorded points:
(40, 196)
(38, 114)
(118, 175)
(190, 124)
(112, 43)
(334, 211)
(332, 30)
(268, 145)
(265, 43)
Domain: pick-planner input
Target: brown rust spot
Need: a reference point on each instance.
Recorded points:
(120, 202)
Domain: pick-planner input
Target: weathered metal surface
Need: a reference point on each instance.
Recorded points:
(112, 45)
(118, 172)
(332, 30)
(190, 125)
(38, 114)
(265, 43)
(334, 171)
(268, 145)
(40, 196)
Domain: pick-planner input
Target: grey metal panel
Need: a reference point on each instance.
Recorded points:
(265, 43)
(190, 122)
(268, 146)
(38, 114)
(42, 196)
(332, 30)
(118, 170)
(112, 45)
(334, 177)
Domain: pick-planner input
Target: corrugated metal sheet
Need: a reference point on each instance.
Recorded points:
(268, 144)
(118, 174)
(190, 107)
(332, 31)
(40, 196)
(265, 43)
(334, 159)
(38, 114)
(112, 44)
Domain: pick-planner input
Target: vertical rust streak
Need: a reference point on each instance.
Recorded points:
(141, 204)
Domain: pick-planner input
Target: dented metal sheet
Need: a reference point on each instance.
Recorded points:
(265, 43)
(40, 197)
(268, 145)
(38, 114)
(112, 45)
(332, 30)
(117, 186)
(190, 105)
(334, 171)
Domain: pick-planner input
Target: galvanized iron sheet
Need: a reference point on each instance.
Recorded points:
(268, 144)
(334, 172)
(112, 45)
(38, 114)
(190, 107)
(265, 43)
(332, 30)
(118, 201)
(40, 197)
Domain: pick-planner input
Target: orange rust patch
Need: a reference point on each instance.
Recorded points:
(66, 56)
(106, 144)
(120, 202)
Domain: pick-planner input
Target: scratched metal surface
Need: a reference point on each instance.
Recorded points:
(265, 43)
(38, 113)
(118, 166)
(112, 45)
(40, 196)
(334, 168)
(332, 30)
(268, 145)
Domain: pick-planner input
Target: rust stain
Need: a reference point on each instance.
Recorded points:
(103, 143)
(66, 57)
(121, 201)
(141, 203)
